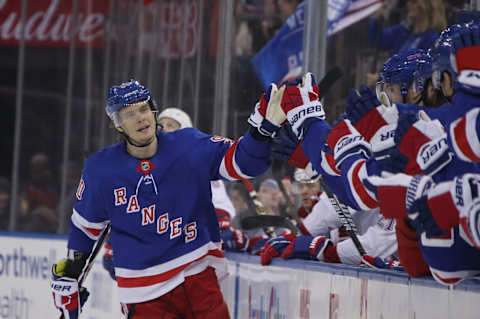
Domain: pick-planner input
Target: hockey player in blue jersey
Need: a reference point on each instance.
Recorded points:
(167, 246)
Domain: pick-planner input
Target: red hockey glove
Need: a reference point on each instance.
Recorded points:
(466, 44)
(301, 102)
(274, 247)
(376, 122)
(379, 263)
(345, 141)
(423, 142)
(107, 260)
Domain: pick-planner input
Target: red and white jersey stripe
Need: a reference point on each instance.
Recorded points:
(465, 137)
(138, 285)
(229, 168)
(362, 196)
(92, 230)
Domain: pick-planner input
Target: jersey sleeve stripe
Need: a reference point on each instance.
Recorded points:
(328, 165)
(465, 137)
(92, 230)
(363, 197)
(229, 168)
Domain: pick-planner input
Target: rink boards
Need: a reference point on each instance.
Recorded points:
(293, 289)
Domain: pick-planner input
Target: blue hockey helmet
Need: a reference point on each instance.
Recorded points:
(124, 94)
(400, 68)
(442, 55)
(423, 72)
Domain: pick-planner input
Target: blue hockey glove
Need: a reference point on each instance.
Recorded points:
(274, 247)
(68, 297)
(307, 247)
(234, 239)
(286, 147)
(360, 104)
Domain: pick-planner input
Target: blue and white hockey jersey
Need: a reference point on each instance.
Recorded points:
(163, 223)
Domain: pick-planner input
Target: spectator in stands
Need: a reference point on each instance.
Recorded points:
(40, 200)
(240, 200)
(269, 193)
(287, 7)
(4, 203)
(424, 21)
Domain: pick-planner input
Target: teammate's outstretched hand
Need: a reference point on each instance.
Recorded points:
(423, 142)
(466, 45)
(286, 147)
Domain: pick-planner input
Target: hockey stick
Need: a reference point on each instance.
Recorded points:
(89, 263)
(346, 219)
(93, 255)
(329, 80)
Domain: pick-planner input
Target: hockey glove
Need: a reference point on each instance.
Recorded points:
(401, 196)
(307, 247)
(466, 45)
(268, 116)
(68, 297)
(274, 247)
(301, 102)
(376, 122)
(286, 147)
(345, 141)
(423, 142)
(458, 202)
(234, 239)
(379, 263)
(107, 260)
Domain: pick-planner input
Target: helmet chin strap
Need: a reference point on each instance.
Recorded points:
(131, 142)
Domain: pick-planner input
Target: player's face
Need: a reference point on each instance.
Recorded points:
(138, 122)
(393, 92)
(307, 190)
(169, 124)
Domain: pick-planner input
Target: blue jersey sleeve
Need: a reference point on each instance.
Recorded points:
(89, 216)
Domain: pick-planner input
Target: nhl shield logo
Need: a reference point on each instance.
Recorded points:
(145, 167)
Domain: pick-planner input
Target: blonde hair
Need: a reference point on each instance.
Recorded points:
(433, 16)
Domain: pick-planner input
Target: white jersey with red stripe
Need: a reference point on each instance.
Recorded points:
(163, 222)
(221, 200)
(379, 239)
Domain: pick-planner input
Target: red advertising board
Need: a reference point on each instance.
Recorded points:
(48, 23)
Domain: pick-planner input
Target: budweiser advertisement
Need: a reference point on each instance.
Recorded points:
(49, 23)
